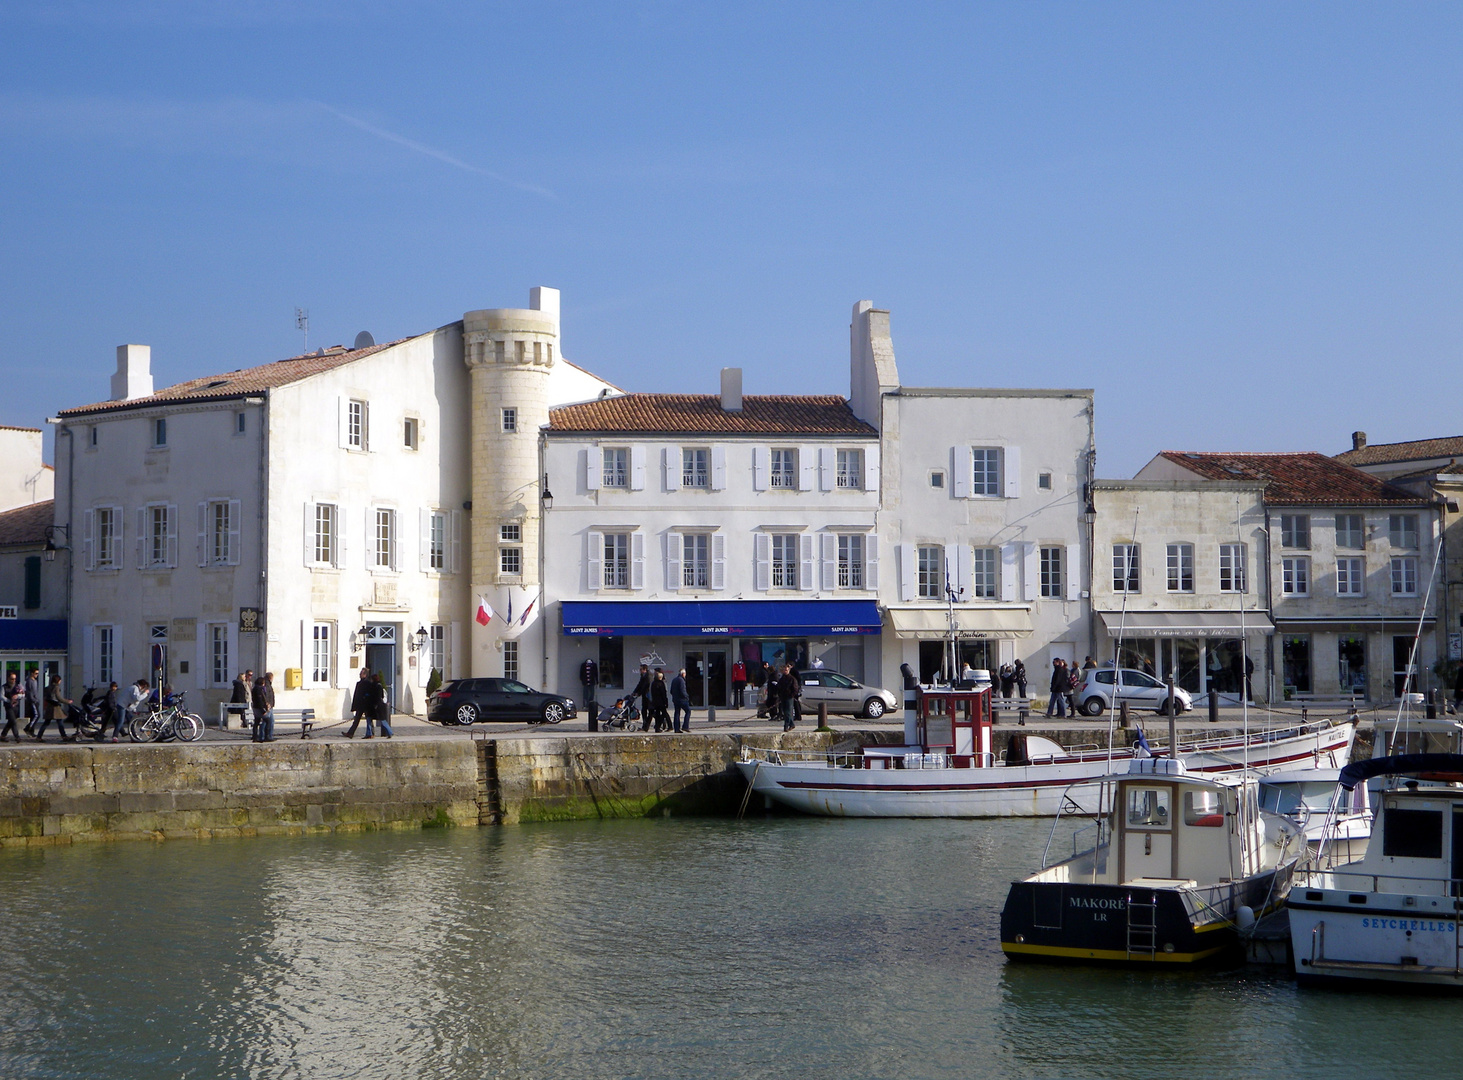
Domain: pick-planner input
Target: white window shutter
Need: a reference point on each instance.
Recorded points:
(1071, 558)
(424, 534)
(673, 561)
(368, 553)
(871, 467)
(807, 467)
(962, 468)
(671, 458)
(718, 560)
(203, 534)
(236, 530)
(594, 463)
(1011, 468)
(827, 466)
(957, 569)
(396, 541)
(342, 535)
(829, 544)
(365, 425)
(594, 578)
(454, 549)
(1010, 558)
(908, 572)
(871, 561)
(637, 468)
(805, 560)
(88, 541)
(88, 655)
(141, 532)
(718, 468)
(761, 561)
(345, 422)
(233, 663)
(172, 512)
(761, 466)
(637, 560)
(1030, 571)
(309, 534)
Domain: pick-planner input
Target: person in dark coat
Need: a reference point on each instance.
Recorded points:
(1020, 672)
(361, 706)
(681, 699)
(659, 700)
(642, 692)
(57, 707)
(381, 705)
(767, 692)
(111, 710)
(240, 696)
(789, 690)
(32, 700)
(1060, 684)
(14, 697)
(263, 702)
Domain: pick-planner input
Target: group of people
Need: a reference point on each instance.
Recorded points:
(1066, 678)
(781, 696)
(369, 703)
(257, 697)
(657, 698)
(27, 701)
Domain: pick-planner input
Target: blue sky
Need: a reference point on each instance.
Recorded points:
(1239, 223)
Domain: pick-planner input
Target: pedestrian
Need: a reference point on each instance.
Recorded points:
(239, 697)
(739, 684)
(659, 700)
(1074, 680)
(1008, 680)
(1020, 672)
(1060, 684)
(136, 703)
(13, 696)
(1249, 676)
(361, 706)
(789, 692)
(382, 705)
(1088, 664)
(766, 692)
(57, 706)
(642, 692)
(263, 702)
(111, 710)
(681, 699)
(33, 704)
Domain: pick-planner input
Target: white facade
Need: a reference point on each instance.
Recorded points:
(25, 478)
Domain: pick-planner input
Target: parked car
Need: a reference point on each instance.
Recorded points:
(1137, 688)
(468, 701)
(844, 695)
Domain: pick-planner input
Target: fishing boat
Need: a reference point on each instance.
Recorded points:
(1181, 863)
(1306, 796)
(947, 768)
(1391, 916)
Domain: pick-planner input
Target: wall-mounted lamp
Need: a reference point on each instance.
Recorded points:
(51, 546)
(358, 639)
(418, 641)
(548, 496)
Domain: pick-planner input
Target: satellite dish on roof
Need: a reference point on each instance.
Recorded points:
(364, 340)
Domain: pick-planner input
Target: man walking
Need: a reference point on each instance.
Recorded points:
(660, 701)
(789, 691)
(56, 705)
(361, 705)
(681, 699)
(264, 708)
(1060, 684)
(32, 701)
(642, 694)
(239, 698)
(14, 697)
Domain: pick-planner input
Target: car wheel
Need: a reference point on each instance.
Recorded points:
(875, 708)
(467, 714)
(1093, 706)
(1163, 708)
(553, 712)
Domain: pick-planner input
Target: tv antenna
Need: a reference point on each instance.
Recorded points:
(302, 324)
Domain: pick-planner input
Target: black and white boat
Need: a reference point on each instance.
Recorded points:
(1180, 864)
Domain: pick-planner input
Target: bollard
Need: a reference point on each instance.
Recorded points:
(593, 710)
(1432, 705)
(711, 714)
(1124, 720)
(1213, 707)
(823, 716)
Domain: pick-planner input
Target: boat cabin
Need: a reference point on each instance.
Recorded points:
(957, 723)
(1169, 826)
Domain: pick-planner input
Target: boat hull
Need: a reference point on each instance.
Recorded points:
(1395, 939)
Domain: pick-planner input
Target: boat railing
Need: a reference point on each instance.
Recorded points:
(1293, 731)
(857, 760)
(1360, 881)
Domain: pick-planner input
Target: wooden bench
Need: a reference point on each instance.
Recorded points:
(304, 717)
(1021, 706)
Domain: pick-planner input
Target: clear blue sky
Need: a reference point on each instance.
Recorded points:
(1240, 223)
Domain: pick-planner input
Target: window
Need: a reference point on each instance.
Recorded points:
(241, 423)
(1404, 576)
(326, 534)
(784, 468)
(106, 654)
(1295, 530)
(1203, 809)
(510, 559)
(218, 655)
(1350, 531)
(92, 436)
(511, 533)
(695, 468)
(1295, 576)
(1044, 481)
(1232, 568)
(983, 579)
(931, 580)
(437, 649)
(510, 652)
(1125, 568)
(695, 561)
(160, 431)
(851, 469)
(321, 653)
(937, 479)
(1349, 576)
(355, 425)
(1148, 807)
(1180, 567)
(1051, 573)
(1402, 530)
(784, 560)
(218, 528)
(617, 561)
(157, 532)
(384, 555)
(32, 598)
(851, 561)
(108, 541)
(510, 418)
(986, 479)
(437, 541)
(616, 473)
(1412, 834)
(410, 431)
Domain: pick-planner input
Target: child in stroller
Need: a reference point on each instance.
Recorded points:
(619, 715)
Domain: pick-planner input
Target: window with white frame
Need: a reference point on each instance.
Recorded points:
(220, 673)
(851, 561)
(157, 527)
(986, 475)
(384, 548)
(510, 420)
(107, 523)
(617, 560)
(695, 467)
(616, 467)
(984, 573)
(411, 433)
(1126, 572)
(437, 649)
(784, 467)
(1295, 576)
(160, 431)
(219, 527)
(1350, 531)
(1402, 530)
(695, 561)
(1404, 575)
(937, 479)
(1295, 530)
(851, 469)
(106, 650)
(437, 526)
(784, 560)
(1232, 565)
(930, 580)
(510, 656)
(355, 424)
(1350, 573)
(1180, 567)
(1051, 573)
(322, 653)
(1044, 481)
(326, 534)
(510, 555)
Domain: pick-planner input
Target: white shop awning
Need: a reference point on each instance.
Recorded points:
(1195, 624)
(933, 624)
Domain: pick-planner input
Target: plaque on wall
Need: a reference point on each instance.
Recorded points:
(251, 620)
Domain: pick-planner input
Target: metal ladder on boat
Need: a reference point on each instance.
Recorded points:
(1142, 926)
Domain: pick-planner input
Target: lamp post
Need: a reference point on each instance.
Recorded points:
(51, 546)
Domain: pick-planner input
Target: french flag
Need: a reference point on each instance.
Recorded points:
(527, 611)
(485, 611)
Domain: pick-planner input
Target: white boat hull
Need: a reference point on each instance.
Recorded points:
(839, 787)
(1398, 939)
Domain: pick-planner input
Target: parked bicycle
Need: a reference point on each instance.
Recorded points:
(169, 721)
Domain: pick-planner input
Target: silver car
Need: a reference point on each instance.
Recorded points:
(1137, 688)
(844, 695)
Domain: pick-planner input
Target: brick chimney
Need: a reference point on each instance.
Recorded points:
(1358, 440)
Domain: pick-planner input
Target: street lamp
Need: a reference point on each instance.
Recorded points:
(418, 641)
(548, 496)
(51, 546)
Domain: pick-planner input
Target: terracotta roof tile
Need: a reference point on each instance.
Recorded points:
(702, 414)
(242, 382)
(27, 524)
(1297, 479)
(1417, 450)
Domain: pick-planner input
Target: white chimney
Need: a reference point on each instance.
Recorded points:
(134, 372)
(731, 389)
(542, 298)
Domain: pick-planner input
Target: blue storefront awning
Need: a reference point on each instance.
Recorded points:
(720, 618)
(33, 635)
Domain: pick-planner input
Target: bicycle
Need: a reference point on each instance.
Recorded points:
(170, 721)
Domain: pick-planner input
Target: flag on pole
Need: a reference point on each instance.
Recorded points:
(510, 607)
(485, 611)
(527, 611)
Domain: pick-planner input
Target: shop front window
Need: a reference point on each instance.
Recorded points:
(1351, 658)
(1295, 654)
(1227, 665)
(1401, 654)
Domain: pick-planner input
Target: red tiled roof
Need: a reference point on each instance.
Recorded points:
(27, 524)
(1417, 450)
(1296, 479)
(242, 382)
(702, 414)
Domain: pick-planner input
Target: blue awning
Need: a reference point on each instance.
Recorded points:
(33, 635)
(720, 618)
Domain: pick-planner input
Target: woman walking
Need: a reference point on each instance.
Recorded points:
(381, 705)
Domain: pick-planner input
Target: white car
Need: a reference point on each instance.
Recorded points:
(1137, 688)
(844, 695)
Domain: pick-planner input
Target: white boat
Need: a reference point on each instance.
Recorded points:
(1305, 796)
(1393, 915)
(949, 770)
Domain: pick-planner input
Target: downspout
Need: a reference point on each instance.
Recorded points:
(1270, 611)
(263, 637)
(543, 527)
(71, 540)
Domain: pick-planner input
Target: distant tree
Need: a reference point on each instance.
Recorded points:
(434, 681)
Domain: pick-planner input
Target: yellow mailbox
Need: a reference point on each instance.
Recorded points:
(294, 678)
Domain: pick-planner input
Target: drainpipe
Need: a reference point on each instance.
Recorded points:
(543, 524)
(264, 417)
(71, 541)
(1270, 610)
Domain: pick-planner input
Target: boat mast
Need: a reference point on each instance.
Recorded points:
(1412, 654)
(1117, 651)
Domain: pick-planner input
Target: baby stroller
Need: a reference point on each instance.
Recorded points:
(620, 715)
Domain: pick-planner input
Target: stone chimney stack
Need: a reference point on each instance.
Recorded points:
(731, 389)
(1358, 440)
(134, 372)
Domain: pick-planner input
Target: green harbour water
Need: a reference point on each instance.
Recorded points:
(778, 947)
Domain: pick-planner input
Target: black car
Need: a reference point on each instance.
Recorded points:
(468, 701)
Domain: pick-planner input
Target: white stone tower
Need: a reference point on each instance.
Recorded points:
(509, 353)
